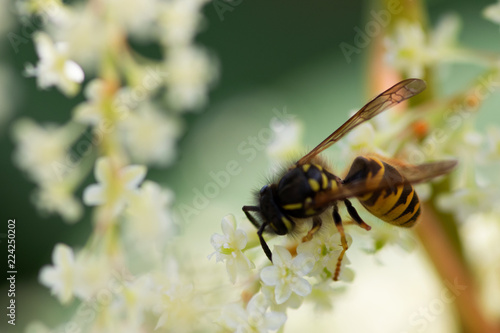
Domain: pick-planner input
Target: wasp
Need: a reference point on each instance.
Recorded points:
(307, 189)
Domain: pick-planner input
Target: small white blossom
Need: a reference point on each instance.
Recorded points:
(82, 276)
(135, 16)
(411, 50)
(480, 235)
(178, 21)
(57, 197)
(286, 274)
(254, 318)
(88, 36)
(151, 136)
(60, 277)
(228, 247)
(325, 250)
(54, 67)
(287, 140)
(115, 184)
(190, 72)
(443, 40)
(93, 110)
(92, 274)
(39, 148)
(407, 49)
(492, 13)
(148, 216)
(180, 306)
(465, 202)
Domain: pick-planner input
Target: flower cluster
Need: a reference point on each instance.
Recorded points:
(443, 128)
(131, 118)
(284, 284)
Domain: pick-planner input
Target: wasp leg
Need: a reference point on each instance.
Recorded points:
(355, 216)
(338, 223)
(263, 243)
(315, 227)
(261, 227)
(247, 210)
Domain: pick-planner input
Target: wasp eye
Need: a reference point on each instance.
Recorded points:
(263, 189)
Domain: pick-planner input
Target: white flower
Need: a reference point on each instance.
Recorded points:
(287, 140)
(135, 16)
(190, 72)
(60, 277)
(286, 274)
(253, 319)
(39, 148)
(228, 248)
(94, 109)
(492, 12)
(139, 296)
(407, 49)
(443, 39)
(148, 215)
(178, 21)
(69, 277)
(54, 68)
(480, 235)
(465, 202)
(410, 50)
(151, 136)
(325, 251)
(180, 306)
(87, 34)
(115, 184)
(92, 274)
(57, 197)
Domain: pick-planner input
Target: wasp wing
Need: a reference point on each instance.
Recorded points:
(412, 174)
(396, 94)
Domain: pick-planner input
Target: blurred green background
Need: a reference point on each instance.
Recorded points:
(271, 55)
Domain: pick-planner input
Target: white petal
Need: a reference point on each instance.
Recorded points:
(258, 303)
(244, 264)
(232, 270)
(301, 287)
(282, 293)
(281, 256)
(94, 195)
(240, 239)
(217, 240)
(133, 175)
(62, 255)
(103, 171)
(73, 71)
(44, 46)
(228, 225)
(303, 264)
(270, 275)
(274, 320)
(48, 275)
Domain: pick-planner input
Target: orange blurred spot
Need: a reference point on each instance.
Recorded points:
(246, 296)
(292, 249)
(472, 101)
(420, 128)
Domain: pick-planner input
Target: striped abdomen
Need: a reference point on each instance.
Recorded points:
(395, 204)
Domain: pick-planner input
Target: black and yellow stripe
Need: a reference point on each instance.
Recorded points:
(396, 204)
(300, 185)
